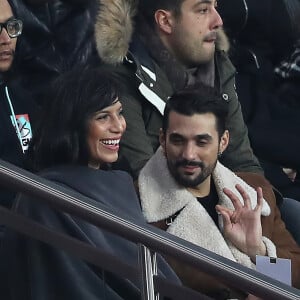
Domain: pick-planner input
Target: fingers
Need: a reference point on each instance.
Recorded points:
(226, 214)
(233, 197)
(247, 201)
(245, 196)
(260, 199)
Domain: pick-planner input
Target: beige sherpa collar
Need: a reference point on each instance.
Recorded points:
(114, 28)
(158, 189)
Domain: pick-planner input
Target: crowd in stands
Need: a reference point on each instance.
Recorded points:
(74, 74)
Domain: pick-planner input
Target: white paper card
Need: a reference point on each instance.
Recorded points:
(277, 268)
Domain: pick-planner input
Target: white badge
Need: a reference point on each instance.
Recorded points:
(277, 268)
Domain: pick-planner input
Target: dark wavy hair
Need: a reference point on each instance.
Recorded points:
(148, 8)
(61, 137)
(197, 99)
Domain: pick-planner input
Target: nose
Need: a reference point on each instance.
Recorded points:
(4, 37)
(188, 152)
(119, 124)
(217, 21)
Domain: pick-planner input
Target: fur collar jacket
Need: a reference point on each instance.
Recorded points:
(114, 30)
(161, 197)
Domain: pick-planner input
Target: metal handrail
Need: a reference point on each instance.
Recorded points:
(157, 240)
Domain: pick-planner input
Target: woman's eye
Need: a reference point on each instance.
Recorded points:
(102, 117)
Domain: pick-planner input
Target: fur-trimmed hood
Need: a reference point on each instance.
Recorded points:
(161, 197)
(115, 26)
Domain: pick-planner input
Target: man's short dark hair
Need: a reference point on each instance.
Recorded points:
(148, 7)
(197, 99)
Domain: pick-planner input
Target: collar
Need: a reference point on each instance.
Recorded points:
(161, 196)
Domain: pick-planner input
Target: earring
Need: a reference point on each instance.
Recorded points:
(220, 154)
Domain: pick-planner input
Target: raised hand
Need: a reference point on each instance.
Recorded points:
(242, 226)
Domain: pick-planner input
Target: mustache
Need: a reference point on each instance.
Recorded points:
(210, 36)
(185, 162)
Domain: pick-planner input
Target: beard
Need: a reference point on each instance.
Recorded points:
(187, 180)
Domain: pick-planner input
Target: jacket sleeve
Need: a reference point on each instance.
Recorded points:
(274, 227)
(239, 155)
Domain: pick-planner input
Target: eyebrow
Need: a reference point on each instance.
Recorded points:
(204, 136)
(204, 2)
(107, 111)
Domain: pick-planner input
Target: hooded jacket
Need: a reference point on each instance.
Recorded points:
(17, 116)
(161, 197)
(149, 87)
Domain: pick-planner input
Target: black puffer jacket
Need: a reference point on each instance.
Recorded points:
(261, 35)
(57, 35)
(255, 23)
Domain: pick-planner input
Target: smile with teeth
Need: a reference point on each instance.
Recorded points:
(111, 142)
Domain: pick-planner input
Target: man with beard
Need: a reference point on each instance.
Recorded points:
(185, 190)
(16, 105)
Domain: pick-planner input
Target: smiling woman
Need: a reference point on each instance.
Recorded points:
(105, 130)
(77, 139)
(83, 123)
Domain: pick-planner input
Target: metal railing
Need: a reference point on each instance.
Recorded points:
(147, 237)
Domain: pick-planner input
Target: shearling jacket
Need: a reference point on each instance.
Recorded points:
(161, 197)
(150, 87)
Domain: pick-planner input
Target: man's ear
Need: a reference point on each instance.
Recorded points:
(164, 20)
(224, 141)
(162, 140)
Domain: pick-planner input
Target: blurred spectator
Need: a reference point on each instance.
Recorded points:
(17, 105)
(259, 43)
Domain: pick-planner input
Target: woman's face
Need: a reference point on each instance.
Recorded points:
(105, 129)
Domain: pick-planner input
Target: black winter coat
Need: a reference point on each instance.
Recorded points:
(10, 147)
(57, 35)
(35, 271)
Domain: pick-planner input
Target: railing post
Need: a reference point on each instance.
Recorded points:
(148, 268)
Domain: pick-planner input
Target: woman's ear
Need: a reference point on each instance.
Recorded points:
(164, 20)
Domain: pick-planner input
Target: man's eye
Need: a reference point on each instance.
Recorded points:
(176, 140)
(203, 9)
(201, 143)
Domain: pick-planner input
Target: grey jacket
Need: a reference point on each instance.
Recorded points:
(149, 89)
